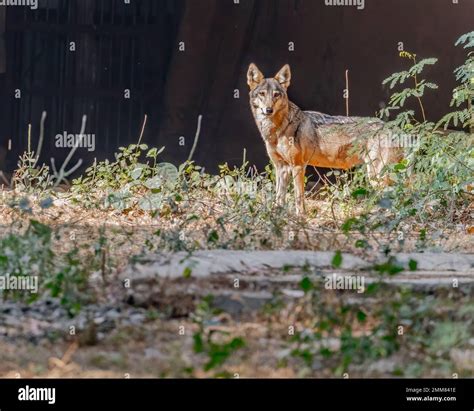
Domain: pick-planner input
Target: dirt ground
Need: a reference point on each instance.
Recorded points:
(176, 327)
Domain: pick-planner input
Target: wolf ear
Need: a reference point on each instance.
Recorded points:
(284, 76)
(254, 76)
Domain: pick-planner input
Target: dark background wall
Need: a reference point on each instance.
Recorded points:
(136, 47)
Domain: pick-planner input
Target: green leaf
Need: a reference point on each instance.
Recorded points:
(385, 203)
(337, 259)
(198, 343)
(41, 230)
(213, 237)
(413, 265)
(168, 172)
(361, 316)
(390, 267)
(187, 272)
(466, 39)
(372, 288)
(152, 153)
(348, 224)
(306, 284)
(120, 200)
(400, 167)
(360, 192)
(137, 171)
(418, 67)
(151, 202)
(154, 183)
(361, 244)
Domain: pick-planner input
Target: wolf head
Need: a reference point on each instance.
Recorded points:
(268, 96)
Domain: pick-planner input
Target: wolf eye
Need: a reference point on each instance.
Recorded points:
(262, 93)
(277, 94)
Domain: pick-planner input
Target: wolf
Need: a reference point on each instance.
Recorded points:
(295, 139)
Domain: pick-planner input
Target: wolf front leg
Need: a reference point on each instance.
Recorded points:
(299, 173)
(283, 179)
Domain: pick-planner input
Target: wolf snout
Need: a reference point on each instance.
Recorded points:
(268, 111)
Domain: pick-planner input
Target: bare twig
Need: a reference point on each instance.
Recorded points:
(142, 132)
(347, 91)
(62, 173)
(41, 139)
(5, 179)
(196, 138)
(29, 138)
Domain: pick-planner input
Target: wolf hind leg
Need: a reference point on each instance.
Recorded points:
(374, 162)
